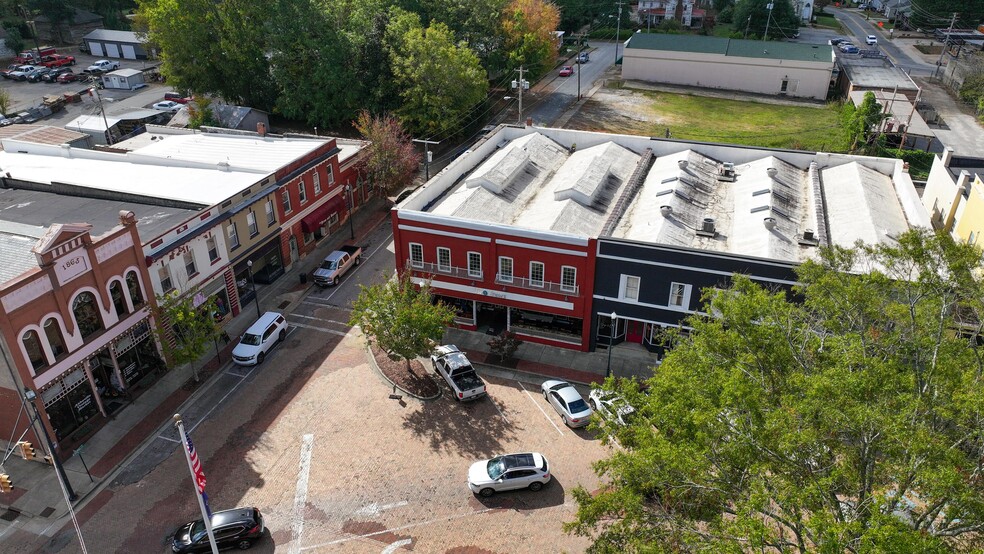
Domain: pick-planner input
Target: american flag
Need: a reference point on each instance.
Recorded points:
(199, 474)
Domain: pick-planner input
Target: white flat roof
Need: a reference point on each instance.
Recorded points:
(253, 152)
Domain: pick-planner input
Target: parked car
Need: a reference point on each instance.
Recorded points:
(528, 470)
(610, 406)
(4, 120)
(238, 528)
(836, 41)
(57, 60)
(101, 66)
(573, 410)
(52, 75)
(5, 73)
(20, 74)
(453, 365)
(871, 39)
(36, 75)
(336, 264)
(566, 71)
(583, 57)
(260, 338)
(67, 77)
(177, 97)
(849, 49)
(167, 106)
(29, 116)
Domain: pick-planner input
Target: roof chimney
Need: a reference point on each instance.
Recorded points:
(666, 210)
(127, 217)
(772, 172)
(946, 156)
(261, 128)
(963, 182)
(529, 121)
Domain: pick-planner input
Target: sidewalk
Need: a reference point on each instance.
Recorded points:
(37, 501)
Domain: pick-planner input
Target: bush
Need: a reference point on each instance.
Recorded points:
(727, 15)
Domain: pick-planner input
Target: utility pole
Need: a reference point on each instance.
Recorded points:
(427, 153)
(618, 30)
(521, 84)
(747, 23)
(765, 37)
(109, 133)
(946, 40)
(580, 49)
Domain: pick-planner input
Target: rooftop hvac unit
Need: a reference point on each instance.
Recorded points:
(726, 172)
(707, 228)
(809, 238)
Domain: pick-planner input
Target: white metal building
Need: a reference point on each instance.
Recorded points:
(105, 43)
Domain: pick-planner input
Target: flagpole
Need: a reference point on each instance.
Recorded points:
(201, 502)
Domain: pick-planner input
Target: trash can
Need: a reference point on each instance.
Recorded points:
(303, 278)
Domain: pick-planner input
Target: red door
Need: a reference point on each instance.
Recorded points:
(633, 331)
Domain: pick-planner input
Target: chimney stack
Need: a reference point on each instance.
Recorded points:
(529, 121)
(261, 128)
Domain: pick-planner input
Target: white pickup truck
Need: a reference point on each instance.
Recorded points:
(454, 366)
(336, 264)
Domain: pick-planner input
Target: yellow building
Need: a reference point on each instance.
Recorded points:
(969, 222)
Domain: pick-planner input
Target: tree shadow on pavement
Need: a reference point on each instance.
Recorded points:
(473, 429)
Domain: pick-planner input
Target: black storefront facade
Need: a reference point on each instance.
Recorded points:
(650, 287)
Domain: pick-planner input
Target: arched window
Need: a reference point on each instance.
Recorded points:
(53, 332)
(32, 343)
(116, 293)
(86, 312)
(132, 283)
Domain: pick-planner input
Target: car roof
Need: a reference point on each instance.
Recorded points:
(235, 515)
(525, 459)
(455, 360)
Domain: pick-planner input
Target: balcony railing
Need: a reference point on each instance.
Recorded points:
(517, 282)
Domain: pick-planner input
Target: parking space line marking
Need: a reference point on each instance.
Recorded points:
(322, 329)
(169, 439)
(300, 495)
(240, 375)
(392, 548)
(533, 400)
(374, 509)
(497, 408)
(401, 528)
(319, 319)
(217, 404)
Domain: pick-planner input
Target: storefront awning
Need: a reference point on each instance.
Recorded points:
(322, 213)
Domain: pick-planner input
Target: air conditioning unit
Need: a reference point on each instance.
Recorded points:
(726, 172)
(707, 228)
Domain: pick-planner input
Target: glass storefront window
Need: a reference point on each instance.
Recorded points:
(52, 330)
(116, 292)
(32, 343)
(86, 313)
(133, 284)
(72, 410)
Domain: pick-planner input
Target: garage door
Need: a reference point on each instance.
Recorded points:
(128, 51)
(112, 50)
(97, 50)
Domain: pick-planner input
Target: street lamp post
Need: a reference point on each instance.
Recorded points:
(349, 201)
(611, 344)
(256, 297)
(30, 396)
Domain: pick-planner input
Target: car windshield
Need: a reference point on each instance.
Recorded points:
(250, 340)
(496, 468)
(197, 530)
(577, 406)
(328, 264)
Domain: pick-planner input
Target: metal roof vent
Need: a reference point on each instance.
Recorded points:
(726, 172)
(772, 172)
(809, 238)
(770, 223)
(682, 164)
(666, 210)
(707, 228)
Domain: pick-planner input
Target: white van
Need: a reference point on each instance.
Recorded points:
(270, 329)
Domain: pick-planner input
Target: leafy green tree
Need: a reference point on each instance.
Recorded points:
(15, 36)
(847, 421)
(784, 20)
(200, 113)
(400, 317)
(504, 345)
(392, 161)
(440, 81)
(6, 102)
(936, 14)
(185, 331)
(528, 26)
(862, 120)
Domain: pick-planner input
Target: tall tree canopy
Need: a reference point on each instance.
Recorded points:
(937, 14)
(783, 23)
(529, 26)
(440, 80)
(850, 421)
(392, 160)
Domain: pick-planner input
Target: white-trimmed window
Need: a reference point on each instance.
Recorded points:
(317, 182)
(416, 254)
(271, 217)
(536, 274)
(679, 295)
(286, 200)
(628, 288)
(568, 278)
(233, 236)
(505, 269)
(165, 276)
(475, 265)
(213, 249)
(443, 259)
(331, 174)
(189, 260)
(254, 229)
(302, 192)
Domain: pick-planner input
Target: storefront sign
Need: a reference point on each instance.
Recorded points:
(493, 294)
(129, 370)
(81, 405)
(71, 266)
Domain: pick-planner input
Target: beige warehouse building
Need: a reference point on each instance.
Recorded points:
(779, 68)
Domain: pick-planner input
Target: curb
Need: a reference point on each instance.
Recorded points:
(372, 362)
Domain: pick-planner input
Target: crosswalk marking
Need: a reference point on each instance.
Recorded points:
(321, 329)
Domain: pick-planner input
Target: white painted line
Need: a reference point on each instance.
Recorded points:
(497, 408)
(404, 527)
(240, 375)
(535, 403)
(216, 405)
(300, 495)
(392, 548)
(374, 509)
(320, 319)
(322, 329)
(169, 439)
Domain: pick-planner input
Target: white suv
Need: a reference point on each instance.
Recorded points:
(528, 470)
(871, 39)
(253, 346)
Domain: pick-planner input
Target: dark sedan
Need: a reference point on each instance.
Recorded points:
(238, 528)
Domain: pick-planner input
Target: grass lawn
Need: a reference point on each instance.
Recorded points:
(750, 123)
(829, 21)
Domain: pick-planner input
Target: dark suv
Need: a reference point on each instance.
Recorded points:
(238, 528)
